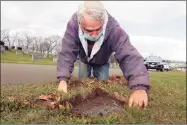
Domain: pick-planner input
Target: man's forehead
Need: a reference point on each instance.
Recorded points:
(90, 23)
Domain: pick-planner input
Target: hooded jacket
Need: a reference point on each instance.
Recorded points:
(115, 40)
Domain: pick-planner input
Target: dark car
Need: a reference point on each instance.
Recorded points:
(155, 62)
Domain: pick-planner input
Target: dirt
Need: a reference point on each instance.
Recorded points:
(113, 79)
(100, 105)
(98, 102)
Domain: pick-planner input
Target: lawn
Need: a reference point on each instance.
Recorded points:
(167, 102)
(11, 57)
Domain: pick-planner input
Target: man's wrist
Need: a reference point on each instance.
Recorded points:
(140, 87)
(63, 79)
(63, 82)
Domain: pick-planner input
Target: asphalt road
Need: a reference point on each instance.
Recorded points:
(28, 73)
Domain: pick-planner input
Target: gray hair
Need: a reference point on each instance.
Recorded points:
(94, 9)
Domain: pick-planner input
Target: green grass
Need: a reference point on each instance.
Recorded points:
(167, 103)
(11, 57)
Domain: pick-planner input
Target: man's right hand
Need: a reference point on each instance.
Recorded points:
(62, 87)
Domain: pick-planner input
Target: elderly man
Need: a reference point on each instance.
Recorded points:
(92, 35)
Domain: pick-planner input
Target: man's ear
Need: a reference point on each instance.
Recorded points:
(81, 26)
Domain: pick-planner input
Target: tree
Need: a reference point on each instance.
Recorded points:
(58, 46)
(50, 43)
(5, 37)
(36, 42)
(20, 41)
(28, 40)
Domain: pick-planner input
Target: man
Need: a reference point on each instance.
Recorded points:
(92, 35)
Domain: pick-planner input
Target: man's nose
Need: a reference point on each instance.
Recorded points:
(94, 34)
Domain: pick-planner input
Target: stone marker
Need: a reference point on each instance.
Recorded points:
(36, 57)
(19, 52)
(45, 55)
(55, 59)
(26, 51)
(2, 49)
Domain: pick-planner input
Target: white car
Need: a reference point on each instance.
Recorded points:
(166, 66)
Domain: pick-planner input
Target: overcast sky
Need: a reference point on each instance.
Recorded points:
(157, 27)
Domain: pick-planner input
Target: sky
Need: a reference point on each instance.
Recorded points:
(154, 27)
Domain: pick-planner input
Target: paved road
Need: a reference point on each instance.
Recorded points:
(27, 73)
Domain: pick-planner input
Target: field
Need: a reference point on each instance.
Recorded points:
(11, 57)
(167, 102)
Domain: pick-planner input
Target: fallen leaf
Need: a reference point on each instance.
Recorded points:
(11, 98)
(49, 100)
(61, 107)
(119, 97)
(48, 97)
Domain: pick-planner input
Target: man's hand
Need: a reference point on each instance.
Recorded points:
(62, 87)
(138, 98)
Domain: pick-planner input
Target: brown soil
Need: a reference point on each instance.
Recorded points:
(98, 106)
(113, 79)
(96, 103)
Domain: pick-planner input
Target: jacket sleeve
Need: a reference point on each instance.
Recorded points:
(69, 51)
(130, 61)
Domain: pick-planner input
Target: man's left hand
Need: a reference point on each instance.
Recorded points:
(138, 98)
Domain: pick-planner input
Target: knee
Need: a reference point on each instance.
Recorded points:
(101, 75)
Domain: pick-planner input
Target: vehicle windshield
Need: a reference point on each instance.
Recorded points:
(154, 59)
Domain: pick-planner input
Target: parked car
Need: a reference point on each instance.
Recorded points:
(166, 66)
(155, 62)
(170, 68)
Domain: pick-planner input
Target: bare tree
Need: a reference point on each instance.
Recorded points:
(37, 42)
(43, 47)
(28, 40)
(32, 46)
(20, 41)
(50, 43)
(5, 37)
(58, 46)
(3, 32)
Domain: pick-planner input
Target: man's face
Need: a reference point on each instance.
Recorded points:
(91, 26)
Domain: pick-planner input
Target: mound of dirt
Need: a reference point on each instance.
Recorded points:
(117, 79)
(113, 79)
(98, 102)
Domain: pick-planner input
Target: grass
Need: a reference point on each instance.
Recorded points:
(11, 57)
(167, 103)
